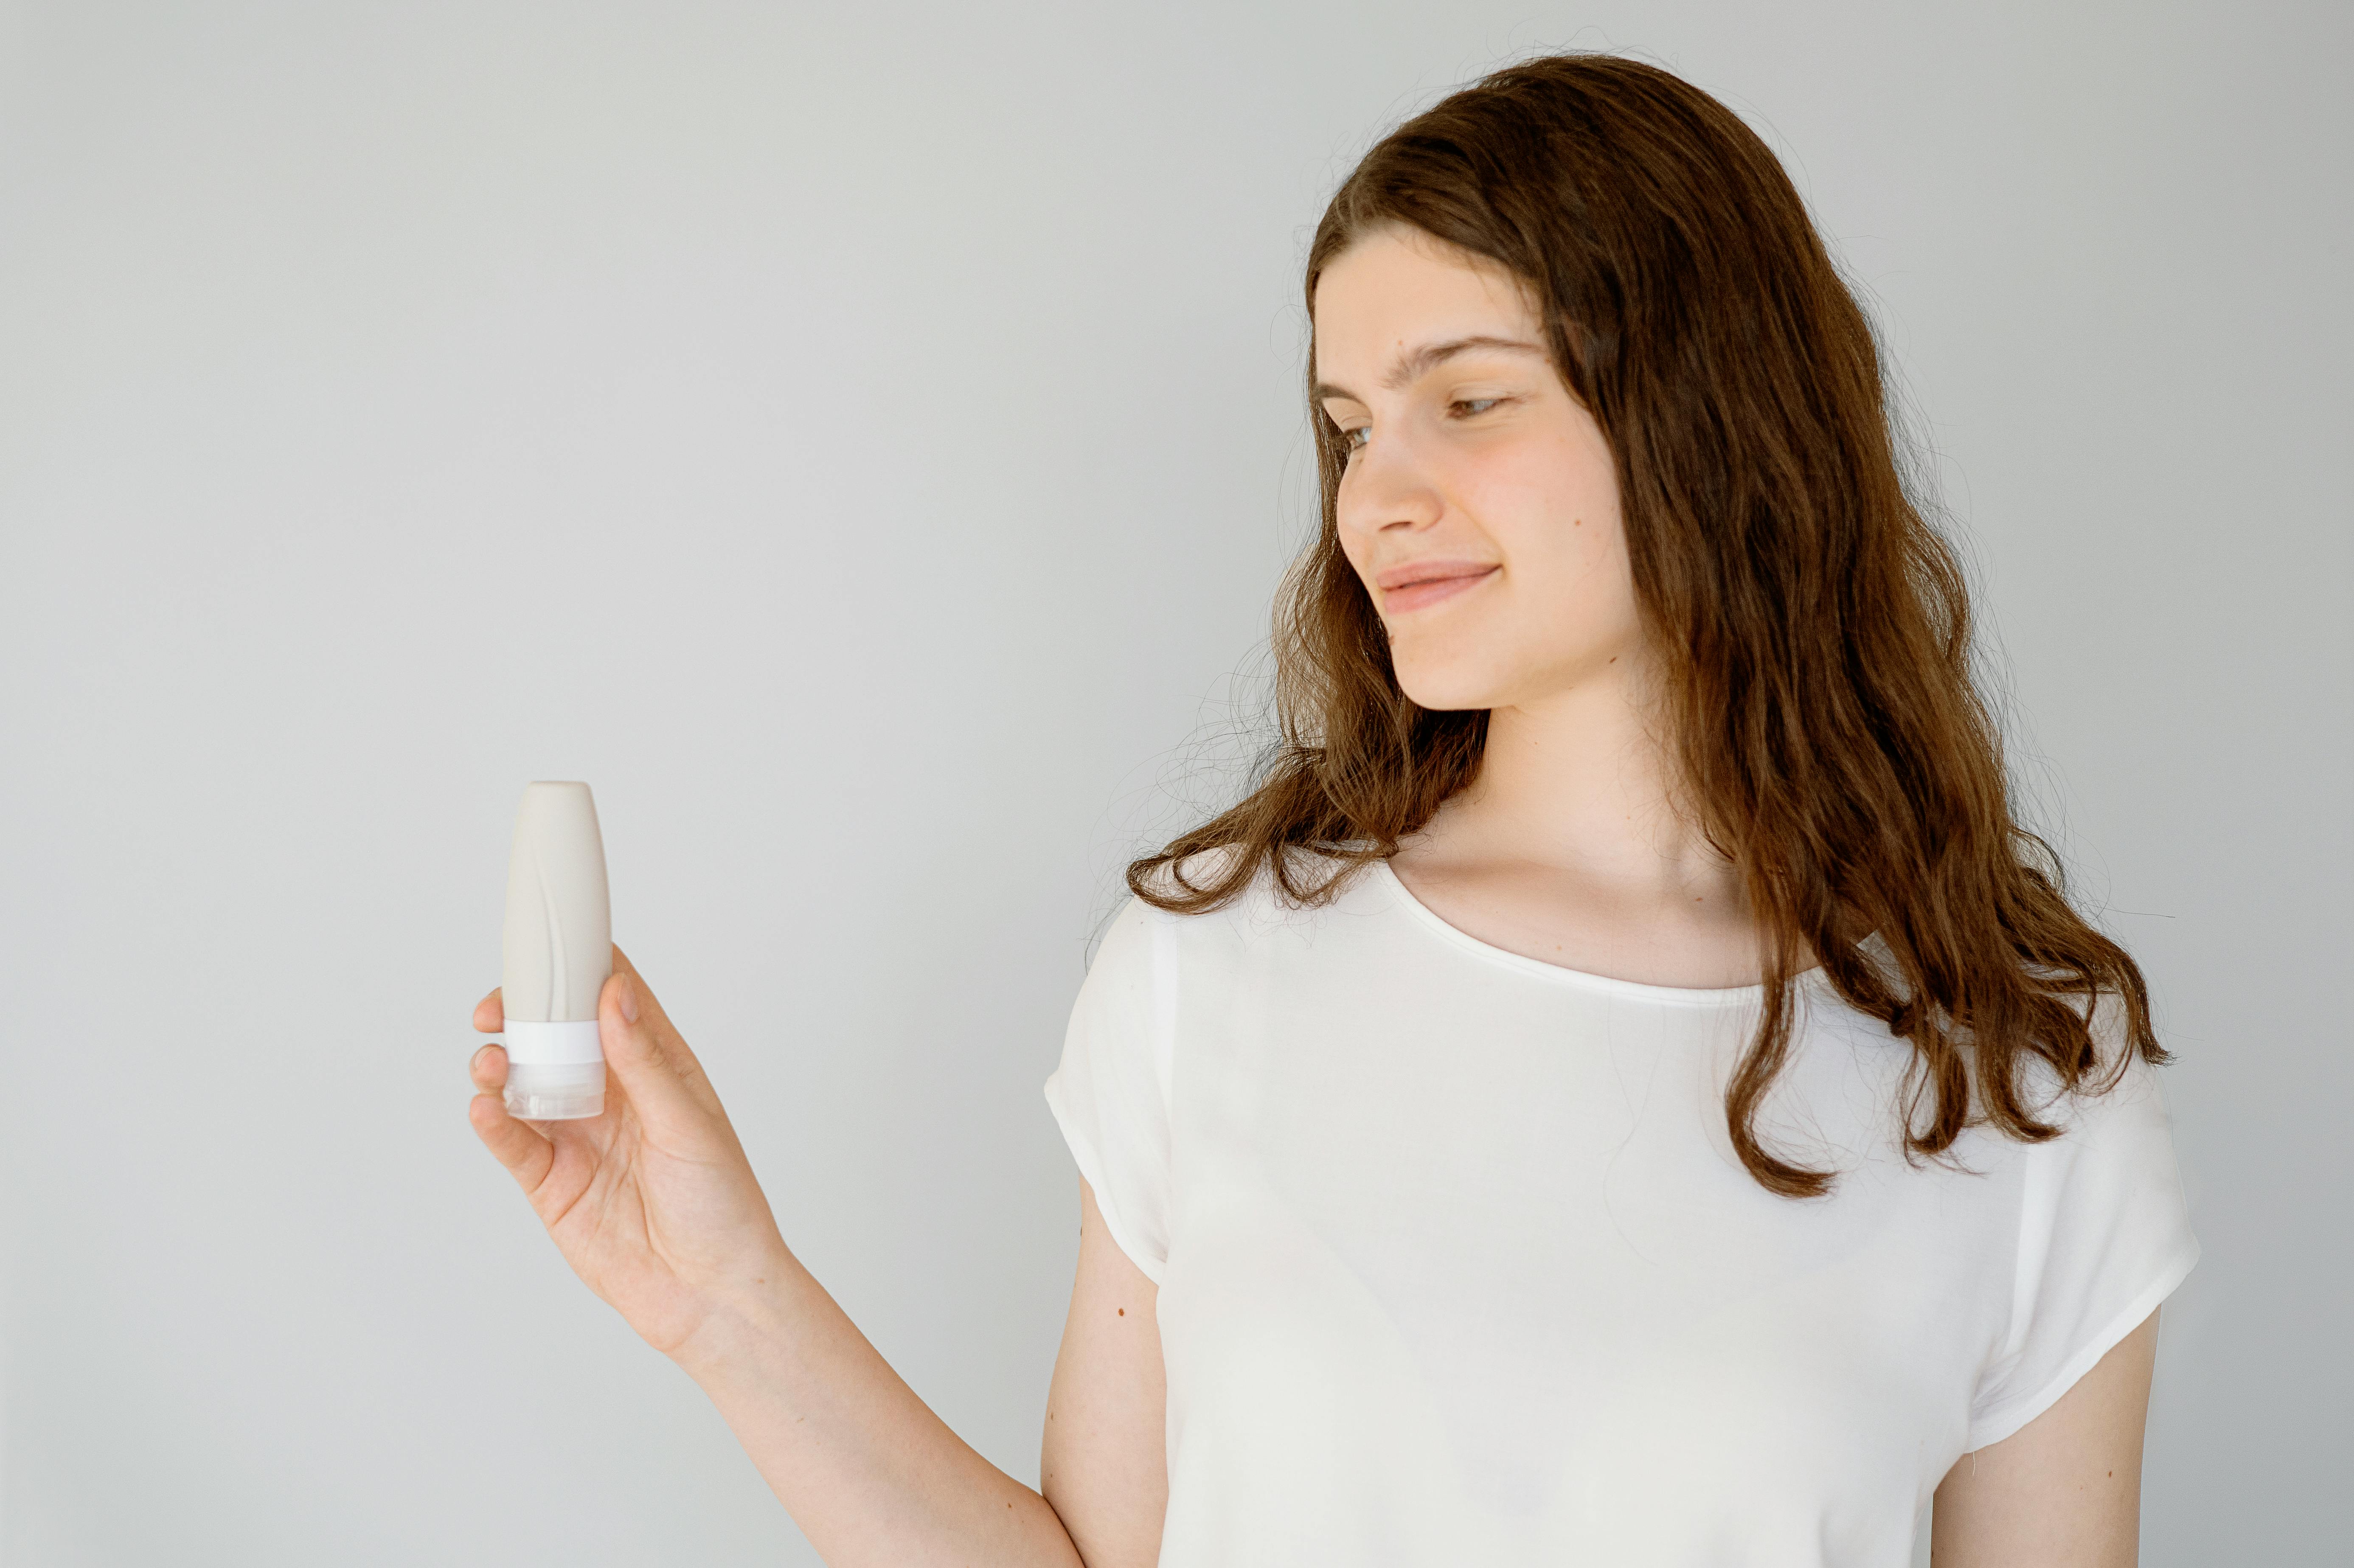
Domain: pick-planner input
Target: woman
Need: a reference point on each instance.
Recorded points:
(1621, 1089)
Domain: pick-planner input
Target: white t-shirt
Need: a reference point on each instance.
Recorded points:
(1456, 1265)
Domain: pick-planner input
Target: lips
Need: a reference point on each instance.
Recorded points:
(1419, 584)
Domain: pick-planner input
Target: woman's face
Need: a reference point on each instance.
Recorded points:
(1479, 505)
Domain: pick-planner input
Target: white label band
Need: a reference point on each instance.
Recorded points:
(553, 1043)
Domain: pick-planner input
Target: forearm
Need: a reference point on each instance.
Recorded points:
(867, 1471)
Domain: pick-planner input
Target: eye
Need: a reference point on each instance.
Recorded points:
(1354, 438)
(1471, 408)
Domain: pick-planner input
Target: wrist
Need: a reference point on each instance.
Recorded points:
(745, 1319)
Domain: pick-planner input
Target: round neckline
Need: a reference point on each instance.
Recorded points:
(1705, 996)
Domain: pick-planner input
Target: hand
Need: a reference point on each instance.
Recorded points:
(653, 1203)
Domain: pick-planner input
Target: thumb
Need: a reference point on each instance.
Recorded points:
(656, 1065)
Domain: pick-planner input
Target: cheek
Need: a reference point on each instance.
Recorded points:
(1552, 505)
(1346, 507)
(1554, 510)
(1356, 537)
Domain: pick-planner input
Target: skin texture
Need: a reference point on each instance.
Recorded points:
(1568, 850)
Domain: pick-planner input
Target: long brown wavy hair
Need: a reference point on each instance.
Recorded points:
(1813, 626)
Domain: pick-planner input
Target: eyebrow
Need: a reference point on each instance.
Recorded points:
(1420, 361)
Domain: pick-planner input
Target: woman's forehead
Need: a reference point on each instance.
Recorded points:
(1400, 294)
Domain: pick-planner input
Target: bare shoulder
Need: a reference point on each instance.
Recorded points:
(2065, 1488)
(1103, 1463)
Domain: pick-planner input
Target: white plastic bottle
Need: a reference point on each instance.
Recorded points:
(557, 951)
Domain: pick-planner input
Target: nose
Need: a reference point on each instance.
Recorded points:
(1386, 487)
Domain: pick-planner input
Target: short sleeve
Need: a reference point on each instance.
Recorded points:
(1110, 1092)
(2105, 1237)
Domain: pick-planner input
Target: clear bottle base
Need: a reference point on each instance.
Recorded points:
(555, 1108)
(567, 1091)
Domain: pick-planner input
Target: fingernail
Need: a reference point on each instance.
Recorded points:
(627, 999)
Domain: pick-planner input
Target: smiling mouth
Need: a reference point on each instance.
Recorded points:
(1424, 592)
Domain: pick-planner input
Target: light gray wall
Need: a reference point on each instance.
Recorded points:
(862, 442)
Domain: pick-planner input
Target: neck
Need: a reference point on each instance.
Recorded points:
(1577, 781)
(1567, 848)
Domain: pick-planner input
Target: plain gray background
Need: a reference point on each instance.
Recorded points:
(863, 442)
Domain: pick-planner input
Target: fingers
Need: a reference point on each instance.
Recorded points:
(523, 1149)
(652, 1059)
(488, 1067)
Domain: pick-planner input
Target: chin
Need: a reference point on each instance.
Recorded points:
(1445, 685)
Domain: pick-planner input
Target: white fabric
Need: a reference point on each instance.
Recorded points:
(1456, 1265)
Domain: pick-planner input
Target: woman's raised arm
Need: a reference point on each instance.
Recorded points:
(657, 1210)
